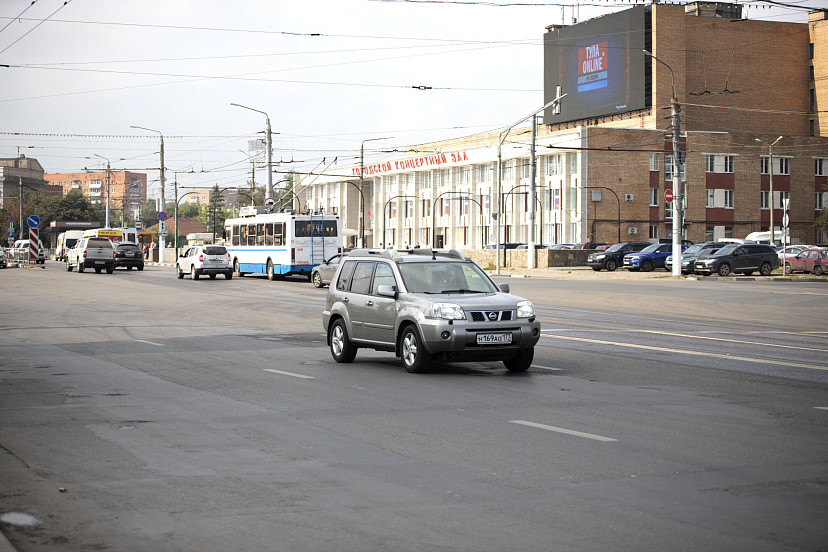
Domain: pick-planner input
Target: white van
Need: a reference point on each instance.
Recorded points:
(66, 240)
(764, 237)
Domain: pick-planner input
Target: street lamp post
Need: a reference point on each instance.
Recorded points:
(162, 227)
(108, 169)
(677, 197)
(361, 186)
(501, 139)
(268, 145)
(772, 239)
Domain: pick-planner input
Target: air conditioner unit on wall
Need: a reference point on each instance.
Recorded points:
(629, 197)
(632, 230)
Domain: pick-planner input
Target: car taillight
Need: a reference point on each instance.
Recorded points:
(201, 258)
(228, 257)
(84, 253)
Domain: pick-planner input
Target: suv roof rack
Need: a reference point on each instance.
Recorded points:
(394, 254)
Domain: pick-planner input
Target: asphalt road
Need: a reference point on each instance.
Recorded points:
(140, 412)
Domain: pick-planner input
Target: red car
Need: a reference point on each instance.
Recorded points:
(814, 259)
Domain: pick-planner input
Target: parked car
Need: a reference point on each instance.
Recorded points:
(562, 246)
(3, 260)
(91, 252)
(613, 257)
(537, 246)
(209, 260)
(509, 245)
(790, 251)
(322, 274)
(734, 257)
(689, 255)
(649, 258)
(813, 260)
(588, 245)
(129, 255)
(426, 305)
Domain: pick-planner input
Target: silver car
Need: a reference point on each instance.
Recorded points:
(322, 274)
(426, 305)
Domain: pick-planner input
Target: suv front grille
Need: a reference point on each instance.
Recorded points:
(491, 316)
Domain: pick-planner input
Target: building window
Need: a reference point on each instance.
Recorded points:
(765, 165)
(819, 200)
(719, 163)
(508, 170)
(728, 163)
(654, 161)
(426, 207)
(653, 197)
(483, 173)
(555, 199)
(722, 199)
(784, 165)
(821, 167)
(765, 203)
(526, 168)
(653, 231)
(710, 163)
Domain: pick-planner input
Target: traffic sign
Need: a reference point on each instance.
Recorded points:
(33, 221)
(162, 216)
(668, 195)
(139, 224)
(269, 201)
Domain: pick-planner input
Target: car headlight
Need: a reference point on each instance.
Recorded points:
(525, 309)
(447, 311)
(599, 257)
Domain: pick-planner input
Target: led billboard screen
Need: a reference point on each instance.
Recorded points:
(599, 64)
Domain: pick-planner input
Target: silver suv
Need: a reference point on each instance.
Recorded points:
(201, 260)
(426, 305)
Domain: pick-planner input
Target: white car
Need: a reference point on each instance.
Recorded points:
(199, 260)
(2, 258)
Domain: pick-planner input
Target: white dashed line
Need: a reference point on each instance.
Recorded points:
(562, 430)
(288, 374)
(149, 342)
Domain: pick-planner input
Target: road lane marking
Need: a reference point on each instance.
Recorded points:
(562, 430)
(150, 342)
(291, 374)
(730, 340)
(686, 352)
(546, 368)
(821, 407)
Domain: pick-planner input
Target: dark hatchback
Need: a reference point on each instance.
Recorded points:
(612, 257)
(738, 257)
(129, 255)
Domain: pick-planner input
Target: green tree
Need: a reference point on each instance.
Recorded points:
(148, 213)
(822, 221)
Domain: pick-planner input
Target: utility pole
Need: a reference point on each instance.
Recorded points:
(268, 145)
(677, 197)
(772, 239)
(530, 252)
(20, 203)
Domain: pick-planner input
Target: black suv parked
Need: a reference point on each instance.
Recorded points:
(738, 257)
(611, 258)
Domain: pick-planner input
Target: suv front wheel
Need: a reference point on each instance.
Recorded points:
(521, 361)
(414, 357)
(342, 350)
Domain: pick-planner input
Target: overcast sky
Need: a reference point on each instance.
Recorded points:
(329, 73)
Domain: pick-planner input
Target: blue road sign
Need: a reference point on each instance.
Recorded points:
(139, 224)
(33, 221)
(162, 216)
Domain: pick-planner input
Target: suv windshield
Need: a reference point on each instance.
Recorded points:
(614, 248)
(651, 248)
(445, 277)
(128, 247)
(215, 250)
(728, 249)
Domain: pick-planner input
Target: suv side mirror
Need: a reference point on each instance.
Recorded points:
(387, 291)
(504, 288)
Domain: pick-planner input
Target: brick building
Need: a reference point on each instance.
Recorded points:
(126, 189)
(24, 172)
(739, 85)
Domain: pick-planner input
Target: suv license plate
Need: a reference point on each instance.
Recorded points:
(494, 338)
(99, 262)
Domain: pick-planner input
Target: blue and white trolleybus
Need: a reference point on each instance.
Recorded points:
(281, 244)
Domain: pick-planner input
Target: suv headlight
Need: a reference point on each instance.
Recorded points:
(525, 309)
(447, 311)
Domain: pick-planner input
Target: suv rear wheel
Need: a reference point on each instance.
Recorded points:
(765, 269)
(342, 350)
(521, 361)
(414, 357)
(724, 269)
